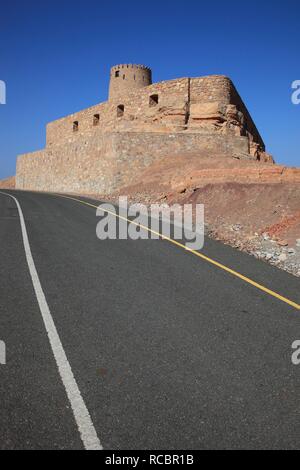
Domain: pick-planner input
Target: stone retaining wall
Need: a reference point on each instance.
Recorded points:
(108, 161)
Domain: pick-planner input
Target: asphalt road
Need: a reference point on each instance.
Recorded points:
(168, 351)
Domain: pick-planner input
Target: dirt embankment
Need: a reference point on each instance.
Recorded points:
(252, 206)
(8, 183)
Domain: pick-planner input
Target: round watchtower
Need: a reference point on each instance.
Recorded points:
(128, 77)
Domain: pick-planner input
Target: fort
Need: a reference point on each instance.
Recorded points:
(107, 146)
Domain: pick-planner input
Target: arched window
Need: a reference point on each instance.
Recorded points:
(117, 73)
(96, 119)
(153, 100)
(75, 126)
(120, 110)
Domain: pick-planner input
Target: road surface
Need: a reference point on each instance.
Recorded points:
(166, 350)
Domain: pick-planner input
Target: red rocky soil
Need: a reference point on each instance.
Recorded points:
(250, 205)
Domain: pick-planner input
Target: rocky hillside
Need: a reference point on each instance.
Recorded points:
(249, 205)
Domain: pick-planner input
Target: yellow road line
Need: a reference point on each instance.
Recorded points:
(196, 253)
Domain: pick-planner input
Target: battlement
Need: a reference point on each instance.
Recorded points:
(127, 66)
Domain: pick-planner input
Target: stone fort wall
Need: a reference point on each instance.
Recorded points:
(183, 104)
(111, 160)
(108, 145)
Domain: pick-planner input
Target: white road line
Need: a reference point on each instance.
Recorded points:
(82, 417)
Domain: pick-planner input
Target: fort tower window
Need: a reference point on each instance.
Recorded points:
(153, 100)
(75, 126)
(117, 74)
(96, 119)
(120, 110)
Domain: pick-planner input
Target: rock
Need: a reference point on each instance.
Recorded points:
(298, 242)
(282, 243)
(282, 257)
(237, 227)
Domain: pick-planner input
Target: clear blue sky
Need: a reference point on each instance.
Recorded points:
(55, 58)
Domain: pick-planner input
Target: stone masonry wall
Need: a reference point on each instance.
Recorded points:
(138, 115)
(185, 103)
(108, 161)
